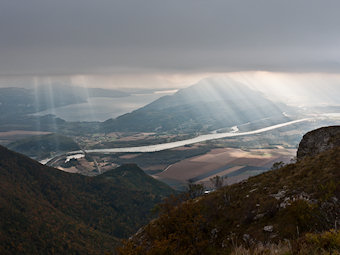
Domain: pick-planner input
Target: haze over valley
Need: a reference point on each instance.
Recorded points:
(175, 128)
(178, 127)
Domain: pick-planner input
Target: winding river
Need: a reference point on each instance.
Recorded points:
(201, 138)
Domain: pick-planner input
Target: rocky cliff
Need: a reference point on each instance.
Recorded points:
(319, 140)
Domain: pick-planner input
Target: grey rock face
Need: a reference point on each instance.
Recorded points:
(319, 140)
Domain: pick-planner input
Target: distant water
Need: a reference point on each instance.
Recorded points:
(171, 145)
(102, 108)
(197, 139)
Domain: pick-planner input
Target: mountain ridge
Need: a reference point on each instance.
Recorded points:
(43, 209)
(205, 106)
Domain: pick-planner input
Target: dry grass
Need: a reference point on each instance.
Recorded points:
(271, 249)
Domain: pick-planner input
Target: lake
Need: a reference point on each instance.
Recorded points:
(102, 108)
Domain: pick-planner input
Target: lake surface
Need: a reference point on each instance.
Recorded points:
(102, 108)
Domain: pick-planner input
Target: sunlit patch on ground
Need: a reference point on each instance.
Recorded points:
(235, 164)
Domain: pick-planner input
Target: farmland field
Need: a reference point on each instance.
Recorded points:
(235, 164)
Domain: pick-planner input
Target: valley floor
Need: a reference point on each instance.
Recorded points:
(235, 164)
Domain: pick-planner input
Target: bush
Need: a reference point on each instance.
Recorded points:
(324, 243)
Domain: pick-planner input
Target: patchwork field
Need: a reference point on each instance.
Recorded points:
(235, 164)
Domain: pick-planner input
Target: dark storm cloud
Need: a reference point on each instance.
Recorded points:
(82, 36)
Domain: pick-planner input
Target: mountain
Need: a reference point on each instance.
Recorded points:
(21, 101)
(47, 211)
(18, 104)
(35, 99)
(210, 104)
(292, 210)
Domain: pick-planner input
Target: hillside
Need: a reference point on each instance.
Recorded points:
(295, 203)
(41, 146)
(47, 211)
(208, 105)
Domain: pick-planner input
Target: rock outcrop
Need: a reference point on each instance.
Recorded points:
(319, 140)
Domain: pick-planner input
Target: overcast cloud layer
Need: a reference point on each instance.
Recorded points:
(106, 36)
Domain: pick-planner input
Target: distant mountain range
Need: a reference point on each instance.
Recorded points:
(30, 100)
(211, 104)
(18, 104)
(47, 211)
(208, 105)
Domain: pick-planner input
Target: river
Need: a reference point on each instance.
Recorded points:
(201, 138)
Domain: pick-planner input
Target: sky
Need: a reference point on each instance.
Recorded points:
(150, 43)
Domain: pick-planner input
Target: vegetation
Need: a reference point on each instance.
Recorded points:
(327, 242)
(277, 165)
(298, 202)
(217, 181)
(323, 243)
(42, 146)
(195, 190)
(47, 211)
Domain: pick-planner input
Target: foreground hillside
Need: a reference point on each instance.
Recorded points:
(284, 209)
(47, 211)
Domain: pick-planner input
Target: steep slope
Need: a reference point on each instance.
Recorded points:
(47, 211)
(279, 205)
(208, 105)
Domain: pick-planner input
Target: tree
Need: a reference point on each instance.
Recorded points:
(195, 190)
(217, 181)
